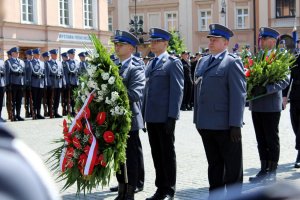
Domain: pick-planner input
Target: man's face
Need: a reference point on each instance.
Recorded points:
(217, 44)
(15, 54)
(123, 50)
(71, 56)
(29, 57)
(158, 46)
(53, 56)
(36, 56)
(267, 42)
(82, 58)
(185, 56)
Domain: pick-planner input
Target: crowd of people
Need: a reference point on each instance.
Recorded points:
(213, 85)
(42, 79)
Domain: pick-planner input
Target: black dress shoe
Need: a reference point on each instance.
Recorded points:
(38, 116)
(56, 115)
(297, 165)
(161, 196)
(19, 118)
(114, 189)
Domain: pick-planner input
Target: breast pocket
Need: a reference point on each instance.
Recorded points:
(159, 73)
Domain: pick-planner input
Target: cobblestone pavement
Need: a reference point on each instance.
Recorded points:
(192, 180)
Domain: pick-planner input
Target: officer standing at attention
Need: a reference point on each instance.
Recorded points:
(15, 69)
(36, 78)
(83, 63)
(65, 90)
(29, 55)
(8, 88)
(294, 97)
(220, 96)
(55, 81)
(188, 82)
(163, 97)
(133, 74)
(2, 86)
(266, 115)
(72, 73)
(46, 102)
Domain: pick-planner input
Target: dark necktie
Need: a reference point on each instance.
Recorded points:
(154, 62)
(212, 59)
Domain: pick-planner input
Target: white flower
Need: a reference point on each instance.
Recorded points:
(78, 92)
(96, 55)
(103, 87)
(117, 109)
(100, 93)
(91, 69)
(114, 96)
(92, 84)
(111, 80)
(86, 93)
(82, 85)
(105, 76)
(112, 111)
(83, 98)
(107, 101)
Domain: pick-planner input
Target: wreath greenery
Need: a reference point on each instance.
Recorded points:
(94, 142)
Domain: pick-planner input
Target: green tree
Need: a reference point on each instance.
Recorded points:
(176, 43)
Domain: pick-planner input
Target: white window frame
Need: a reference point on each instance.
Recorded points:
(172, 20)
(70, 5)
(94, 15)
(244, 26)
(206, 19)
(159, 17)
(110, 23)
(139, 15)
(34, 12)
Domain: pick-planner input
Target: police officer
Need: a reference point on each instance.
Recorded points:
(29, 55)
(294, 97)
(55, 81)
(133, 74)
(83, 62)
(72, 74)
(15, 69)
(2, 87)
(163, 97)
(266, 115)
(65, 100)
(188, 83)
(8, 89)
(37, 81)
(46, 100)
(220, 96)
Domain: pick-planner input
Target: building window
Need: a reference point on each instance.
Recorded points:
(242, 18)
(154, 20)
(140, 18)
(171, 21)
(110, 23)
(64, 12)
(28, 11)
(109, 1)
(88, 13)
(285, 8)
(204, 20)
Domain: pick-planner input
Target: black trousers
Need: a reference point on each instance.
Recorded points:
(2, 91)
(266, 131)
(225, 160)
(295, 120)
(17, 94)
(27, 99)
(37, 95)
(141, 168)
(164, 157)
(132, 156)
(187, 94)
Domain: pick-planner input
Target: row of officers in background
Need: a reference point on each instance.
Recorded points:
(40, 81)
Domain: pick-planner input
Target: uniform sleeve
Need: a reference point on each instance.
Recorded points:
(276, 87)
(176, 88)
(237, 93)
(136, 84)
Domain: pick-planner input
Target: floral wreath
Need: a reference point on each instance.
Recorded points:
(94, 142)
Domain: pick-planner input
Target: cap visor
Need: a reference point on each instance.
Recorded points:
(215, 36)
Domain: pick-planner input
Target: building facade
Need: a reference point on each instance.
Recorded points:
(45, 24)
(191, 18)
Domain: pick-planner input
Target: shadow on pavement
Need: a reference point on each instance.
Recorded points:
(93, 195)
(192, 193)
